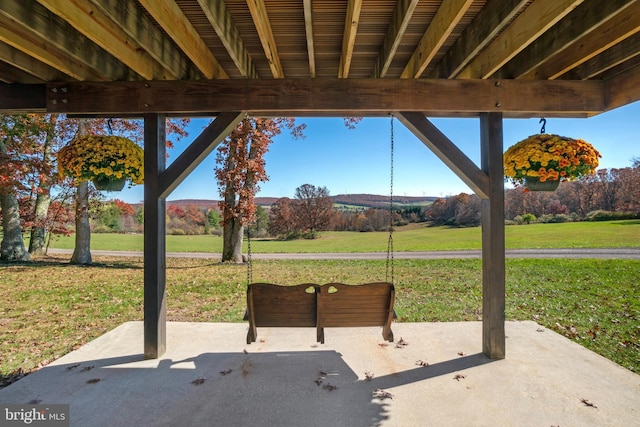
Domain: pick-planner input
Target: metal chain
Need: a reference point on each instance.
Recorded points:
(249, 264)
(390, 266)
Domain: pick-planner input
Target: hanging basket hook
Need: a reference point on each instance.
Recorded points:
(544, 124)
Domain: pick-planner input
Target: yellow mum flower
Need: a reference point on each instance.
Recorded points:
(550, 157)
(100, 157)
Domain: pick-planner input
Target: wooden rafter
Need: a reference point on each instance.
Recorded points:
(491, 20)
(308, 27)
(623, 24)
(261, 21)
(351, 21)
(99, 28)
(449, 14)
(220, 19)
(401, 17)
(616, 55)
(585, 19)
(137, 25)
(31, 28)
(28, 64)
(171, 18)
(623, 88)
(12, 74)
(538, 17)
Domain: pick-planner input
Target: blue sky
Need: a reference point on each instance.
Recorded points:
(357, 161)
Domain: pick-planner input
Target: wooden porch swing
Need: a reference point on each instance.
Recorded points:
(329, 305)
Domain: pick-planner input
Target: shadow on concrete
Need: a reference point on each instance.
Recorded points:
(235, 388)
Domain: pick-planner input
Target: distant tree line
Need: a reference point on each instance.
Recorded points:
(610, 194)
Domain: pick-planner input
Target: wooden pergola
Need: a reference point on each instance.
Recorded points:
(412, 58)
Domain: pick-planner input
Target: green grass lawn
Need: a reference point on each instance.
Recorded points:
(49, 307)
(415, 237)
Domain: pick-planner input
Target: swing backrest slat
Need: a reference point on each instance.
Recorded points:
(369, 304)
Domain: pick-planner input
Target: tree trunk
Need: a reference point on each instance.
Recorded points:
(37, 243)
(82, 251)
(12, 246)
(38, 231)
(232, 241)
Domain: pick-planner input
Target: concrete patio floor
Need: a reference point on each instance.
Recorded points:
(209, 376)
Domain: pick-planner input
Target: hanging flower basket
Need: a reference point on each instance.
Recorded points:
(109, 184)
(541, 161)
(107, 160)
(534, 184)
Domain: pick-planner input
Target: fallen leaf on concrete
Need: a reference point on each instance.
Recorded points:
(198, 381)
(587, 403)
(459, 377)
(93, 380)
(382, 394)
(402, 343)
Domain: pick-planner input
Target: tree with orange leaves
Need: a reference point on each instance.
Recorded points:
(27, 148)
(240, 170)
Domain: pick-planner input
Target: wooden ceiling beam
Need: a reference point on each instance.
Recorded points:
(308, 28)
(221, 21)
(31, 28)
(99, 28)
(263, 27)
(11, 74)
(582, 20)
(171, 18)
(447, 17)
(610, 58)
(537, 18)
(271, 97)
(399, 22)
(489, 22)
(23, 98)
(622, 89)
(28, 64)
(141, 28)
(623, 24)
(351, 21)
(620, 68)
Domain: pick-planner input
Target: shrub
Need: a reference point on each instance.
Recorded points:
(600, 215)
(554, 219)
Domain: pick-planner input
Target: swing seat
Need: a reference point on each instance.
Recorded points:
(277, 306)
(311, 305)
(370, 304)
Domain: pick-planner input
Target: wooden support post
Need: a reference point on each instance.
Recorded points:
(493, 247)
(155, 309)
